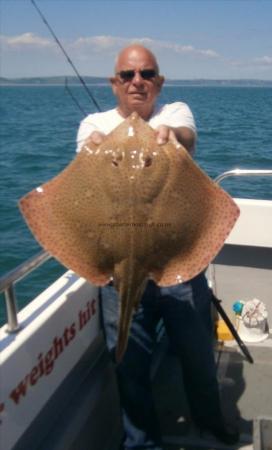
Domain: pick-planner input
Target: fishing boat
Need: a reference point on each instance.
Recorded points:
(58, 387)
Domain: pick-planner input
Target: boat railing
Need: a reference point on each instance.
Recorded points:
(8, 281)
(243, 173)
(7, 285)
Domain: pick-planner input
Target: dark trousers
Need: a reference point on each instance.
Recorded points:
(185, 310)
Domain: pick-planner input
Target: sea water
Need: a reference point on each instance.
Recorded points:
(37, 140)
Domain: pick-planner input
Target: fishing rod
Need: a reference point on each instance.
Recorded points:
(217, 303)
(66, 56)
(74, 98)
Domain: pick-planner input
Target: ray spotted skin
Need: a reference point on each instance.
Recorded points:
(130, 210)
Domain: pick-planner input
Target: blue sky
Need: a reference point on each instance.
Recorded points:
(192, 39)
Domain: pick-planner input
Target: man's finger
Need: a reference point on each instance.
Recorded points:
(162, 134)
(97, 137)
(172, 138)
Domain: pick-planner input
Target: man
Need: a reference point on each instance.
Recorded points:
(184, 308)
(139, 94)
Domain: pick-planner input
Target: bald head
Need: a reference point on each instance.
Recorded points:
(133, 53)
(137, 82)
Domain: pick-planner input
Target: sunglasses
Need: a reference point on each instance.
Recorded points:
(128, 75)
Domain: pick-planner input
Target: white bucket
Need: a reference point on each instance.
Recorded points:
(252, 324)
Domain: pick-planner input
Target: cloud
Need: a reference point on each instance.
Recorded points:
(114, 43)
(101, 44)
(184, 49)
(25, 40)
(261, 62)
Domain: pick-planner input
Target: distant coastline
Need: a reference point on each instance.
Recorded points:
(102, 81)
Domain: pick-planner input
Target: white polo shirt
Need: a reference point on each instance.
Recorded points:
(176, 115)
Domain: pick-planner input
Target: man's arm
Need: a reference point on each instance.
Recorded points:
(186, 137)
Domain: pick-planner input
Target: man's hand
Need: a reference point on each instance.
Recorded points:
(166, 134)
(96, 137)
(178, 136)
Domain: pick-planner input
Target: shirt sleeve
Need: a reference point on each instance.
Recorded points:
(175, 115)
(85, 129)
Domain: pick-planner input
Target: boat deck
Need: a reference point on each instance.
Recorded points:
(244, 392)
